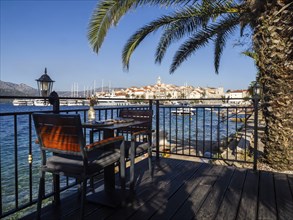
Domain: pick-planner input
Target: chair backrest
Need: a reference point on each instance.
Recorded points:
(60, 133)
(140, 115)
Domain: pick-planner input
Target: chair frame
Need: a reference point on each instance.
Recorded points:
(136, 132)
(53, 131)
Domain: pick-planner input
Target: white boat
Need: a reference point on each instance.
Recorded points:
(112, 102)
(184, 111)
(18, 102)
(63, 102)
(71, 102)
(225, 105)
(22, 102)
(212, 109)
(41, 102)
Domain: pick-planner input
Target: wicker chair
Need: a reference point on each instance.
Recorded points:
(63, 136)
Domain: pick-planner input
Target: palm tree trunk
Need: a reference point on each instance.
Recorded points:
(273, 41)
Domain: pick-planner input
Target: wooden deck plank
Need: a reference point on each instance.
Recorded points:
(215, 197)
(229, 207)
(283, 197)
(160, 167)
(146, 189)
(266, 202)
(72, 210)
(162, 201)
(168, 208)
(248, 204)
(69, 205)
(164, 185)
(190, 190)
(197, 197)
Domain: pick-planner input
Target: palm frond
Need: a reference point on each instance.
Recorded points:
(200, 39)
(200, 16)
(106, 14)
(251, 54)
(183, 21)
(194, 17)
(136, 38)
(190, 46)
(206, 16)
(220, 41)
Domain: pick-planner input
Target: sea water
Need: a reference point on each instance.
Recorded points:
(181, 130)
(14, 155)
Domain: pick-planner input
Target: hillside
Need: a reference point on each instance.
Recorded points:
(12, 89)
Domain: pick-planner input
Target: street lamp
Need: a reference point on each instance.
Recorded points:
(256, 91)
(255, 99)
(45, 84)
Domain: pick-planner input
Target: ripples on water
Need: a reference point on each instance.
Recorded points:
(182, 129)
(18, 149)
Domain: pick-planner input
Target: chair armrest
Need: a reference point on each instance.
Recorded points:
(142, 132)
(99, 144)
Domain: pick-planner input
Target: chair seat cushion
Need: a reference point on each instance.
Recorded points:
(73, 165)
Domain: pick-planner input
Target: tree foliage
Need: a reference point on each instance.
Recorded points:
(202, 22)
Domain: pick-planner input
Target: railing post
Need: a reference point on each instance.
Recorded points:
(255, 152)
(54, 100)
(150, 104)
(157, 128)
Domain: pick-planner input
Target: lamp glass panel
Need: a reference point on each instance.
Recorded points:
(44, 85)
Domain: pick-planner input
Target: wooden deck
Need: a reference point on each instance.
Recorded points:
(190, 190)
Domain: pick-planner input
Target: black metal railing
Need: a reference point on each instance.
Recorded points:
(209, 131)
(204, 131)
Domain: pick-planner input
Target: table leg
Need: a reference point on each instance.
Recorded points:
(109, 196)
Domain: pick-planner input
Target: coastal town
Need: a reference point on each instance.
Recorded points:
(169, 92)
(160, 90)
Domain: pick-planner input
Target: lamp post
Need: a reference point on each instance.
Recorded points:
(45, 84)
(255, 99)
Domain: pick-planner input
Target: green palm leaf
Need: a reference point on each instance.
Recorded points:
(201, 39)
(221, 38)
(108, 12)
(194, 17)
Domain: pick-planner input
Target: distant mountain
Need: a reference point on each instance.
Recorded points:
(12, 89)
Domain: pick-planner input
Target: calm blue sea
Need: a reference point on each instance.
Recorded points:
(14, 155)
(182, 130)
(12, 108)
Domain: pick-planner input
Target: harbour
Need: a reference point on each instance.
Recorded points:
(68, 102)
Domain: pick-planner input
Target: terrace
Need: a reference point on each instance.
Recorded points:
(187, 182)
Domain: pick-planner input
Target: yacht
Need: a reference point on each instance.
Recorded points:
(71, 102)
(22, 102)
(225, 105)
(112, 102)
(41, 102)
(184, 111)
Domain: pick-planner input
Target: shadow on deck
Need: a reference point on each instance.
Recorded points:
(185, 190)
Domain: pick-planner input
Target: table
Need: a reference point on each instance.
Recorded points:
(109, 129)
(109, 196)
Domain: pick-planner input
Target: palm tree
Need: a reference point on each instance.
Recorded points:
(212, 21)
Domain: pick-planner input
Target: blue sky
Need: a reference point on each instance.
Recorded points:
(53, 34)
